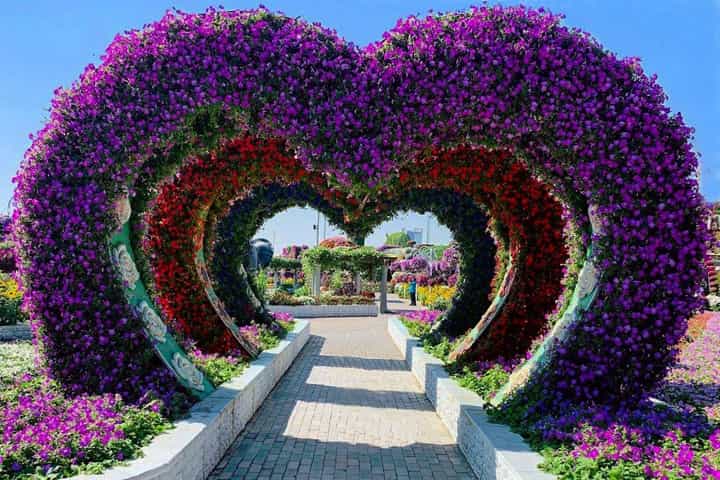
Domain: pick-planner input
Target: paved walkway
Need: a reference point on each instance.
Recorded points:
(348, 408)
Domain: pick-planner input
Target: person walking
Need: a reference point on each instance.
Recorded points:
(412, 290)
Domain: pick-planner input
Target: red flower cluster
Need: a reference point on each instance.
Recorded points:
(533, 218)
(176, 228)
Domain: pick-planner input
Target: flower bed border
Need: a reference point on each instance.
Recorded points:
(491, 449)
(193, 448)
(317, 311)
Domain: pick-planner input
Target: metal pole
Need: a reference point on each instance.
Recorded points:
(317, 230)
(427, 235)
(383, 288)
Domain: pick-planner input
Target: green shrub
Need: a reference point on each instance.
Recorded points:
(439, 349)
(303, 291)
(219, 369)
(485, 385)
(416, 329)
(261, 284)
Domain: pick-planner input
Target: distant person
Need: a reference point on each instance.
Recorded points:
(412, 290)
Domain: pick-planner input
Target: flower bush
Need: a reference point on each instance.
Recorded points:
(678, 437)
(436, 297)
(419, 322)
(46, 433)
(579, 125)
(339, 241)
(10, 301)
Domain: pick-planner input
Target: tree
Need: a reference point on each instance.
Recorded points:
(400, 239)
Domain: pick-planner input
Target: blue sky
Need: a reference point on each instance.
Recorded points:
(46, 44)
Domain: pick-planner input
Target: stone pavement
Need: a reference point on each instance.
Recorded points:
(348, 408)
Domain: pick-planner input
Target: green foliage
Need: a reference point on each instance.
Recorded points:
(416, 329)
(280, 297)
(437, 251)
(441, 304)
(219, 369)
(345, 300)
(439, 348)
(141, 425)
(336, 280)
(282, 263)
(485, 385)
(302, 291)
(261, 285)
(352, 259)
(270, 338)
(400, 239)
(561, 463)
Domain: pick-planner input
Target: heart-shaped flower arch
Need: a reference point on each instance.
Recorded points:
(590, 125)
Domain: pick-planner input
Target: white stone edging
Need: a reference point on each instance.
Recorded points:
(492, 450)
(196, 444)
(316, 311)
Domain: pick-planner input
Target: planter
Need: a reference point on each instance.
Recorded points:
(192, 449)
(315, 311)
(9, 333)
(491, 449)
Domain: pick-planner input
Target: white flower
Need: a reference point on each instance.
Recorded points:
(713, 300)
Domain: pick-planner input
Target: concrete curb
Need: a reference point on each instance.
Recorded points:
(317, 311)
(492, 450)
(192, 449)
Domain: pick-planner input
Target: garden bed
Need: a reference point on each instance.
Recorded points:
(197, 443)
(316, 311)
(492, 450)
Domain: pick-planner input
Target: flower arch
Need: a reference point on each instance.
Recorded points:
(514, 80)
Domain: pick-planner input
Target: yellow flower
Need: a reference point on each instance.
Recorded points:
(9, 288)
(429, 295)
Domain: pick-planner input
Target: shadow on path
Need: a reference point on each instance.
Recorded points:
(336, 416)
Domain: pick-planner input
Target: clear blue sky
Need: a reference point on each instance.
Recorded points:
(45, 44)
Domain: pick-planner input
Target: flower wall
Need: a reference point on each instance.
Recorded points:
(580, 125)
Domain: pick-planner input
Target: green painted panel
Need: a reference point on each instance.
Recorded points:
(164, 343)
(581, 300)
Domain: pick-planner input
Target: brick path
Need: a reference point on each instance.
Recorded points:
(347, 409)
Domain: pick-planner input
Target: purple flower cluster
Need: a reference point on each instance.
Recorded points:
(43, 428)
(293, 251)
(283, 317)
(427, 317)
(507, 364)
(593, 125)
(676, 439)
(414, 264)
